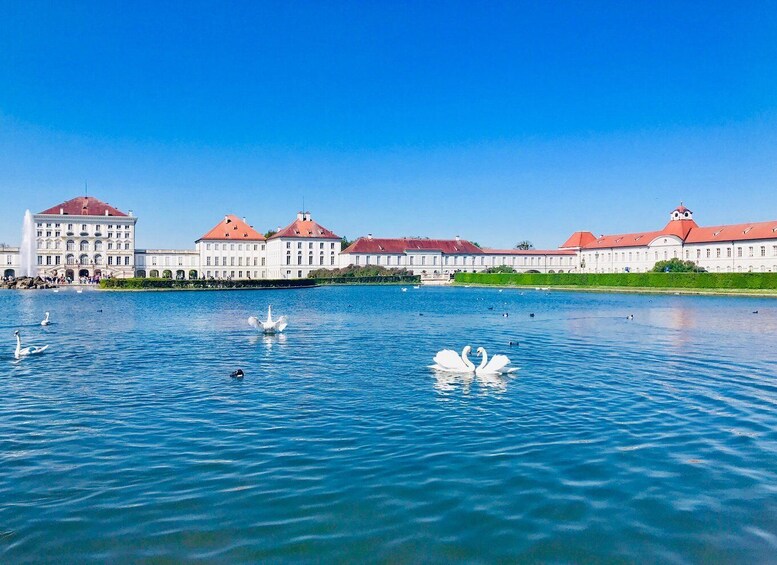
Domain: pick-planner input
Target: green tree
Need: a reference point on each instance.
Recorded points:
(676, 265)
(525, 245)
(500, 269)
(345, 242)
(269, 233)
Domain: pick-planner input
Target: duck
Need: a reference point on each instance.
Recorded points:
(239, 374)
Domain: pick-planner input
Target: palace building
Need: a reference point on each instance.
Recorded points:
(87, 238)
(448, 256)
(750, 247)
(84, 237)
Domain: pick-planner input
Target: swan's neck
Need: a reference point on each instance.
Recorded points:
(18, 344)
(484, 360)
(46, 319)
(269, 314)
(465, 357)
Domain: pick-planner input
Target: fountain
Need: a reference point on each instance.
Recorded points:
(27, 254)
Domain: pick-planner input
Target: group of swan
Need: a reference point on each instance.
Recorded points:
(269, 326)
(449, 361)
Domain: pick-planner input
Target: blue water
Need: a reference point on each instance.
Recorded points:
(652, 439)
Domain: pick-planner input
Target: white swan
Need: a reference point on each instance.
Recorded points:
(269, 326)
(404, 289)
(497, 365)
(451, 362)
(417, 287)
(45, 321)
(24, 352)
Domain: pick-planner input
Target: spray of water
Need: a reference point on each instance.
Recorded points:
(27, 254)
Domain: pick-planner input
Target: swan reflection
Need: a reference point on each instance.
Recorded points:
(447, 382)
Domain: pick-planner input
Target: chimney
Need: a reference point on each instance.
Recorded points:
(130, 213)
(307, 216)
(458, 239)
(61, 211)
(244, 220)
(226, 219)
(300, 216)
(369, 236)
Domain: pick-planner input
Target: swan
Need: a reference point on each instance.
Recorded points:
(25, 351)
(417, 287)
(269, 326)
(497, 365)
(45, 321)
(451, 362)
(404, 289)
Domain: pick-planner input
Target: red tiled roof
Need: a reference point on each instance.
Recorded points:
(519, 252)
(306, 229)
(84, 206)
(232, 228)
(682, 209)
(623, 240)
(403, 244)
(579, 239)
(735, 232)
(680, 228)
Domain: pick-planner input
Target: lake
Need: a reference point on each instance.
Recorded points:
(618, 440)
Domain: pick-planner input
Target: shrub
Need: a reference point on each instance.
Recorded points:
(745, 281)
(157, 284)
(676, 265)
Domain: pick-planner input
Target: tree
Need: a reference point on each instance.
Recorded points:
(269, 233)
(345, 243)
(676, 265)
(525, 245)
(500, 269)
(476, 244)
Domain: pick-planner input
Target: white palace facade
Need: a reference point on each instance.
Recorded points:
(85, 237)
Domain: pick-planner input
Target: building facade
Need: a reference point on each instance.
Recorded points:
(448, 256)
(84, 237)
(750, 247)
(87, 238)
(301, 247)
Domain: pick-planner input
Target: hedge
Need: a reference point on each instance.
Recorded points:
(733, 281)
(395, 279)
(151, 284)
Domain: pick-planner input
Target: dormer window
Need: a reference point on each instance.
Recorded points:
(747, 230)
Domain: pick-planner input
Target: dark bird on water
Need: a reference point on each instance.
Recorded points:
(514, 343)
(531, 315)
(755, 312)
(237, 374)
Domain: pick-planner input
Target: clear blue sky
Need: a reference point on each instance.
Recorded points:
(497, 121)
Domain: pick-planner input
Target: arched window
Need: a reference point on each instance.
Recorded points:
(98, 259)
(70, 259)
(83, 259)
(71, 245)
(84, 246)
(98, 245)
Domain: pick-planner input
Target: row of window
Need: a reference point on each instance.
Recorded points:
(236, 274)
(85, 227)
(751, 250)
(321, 260)
(82, 260)
(310, 245)
(248, 260)
(70, 245)
(248, 246)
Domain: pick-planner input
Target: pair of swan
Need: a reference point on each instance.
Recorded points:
(26, 351)
(269, 326)
(449, 361)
